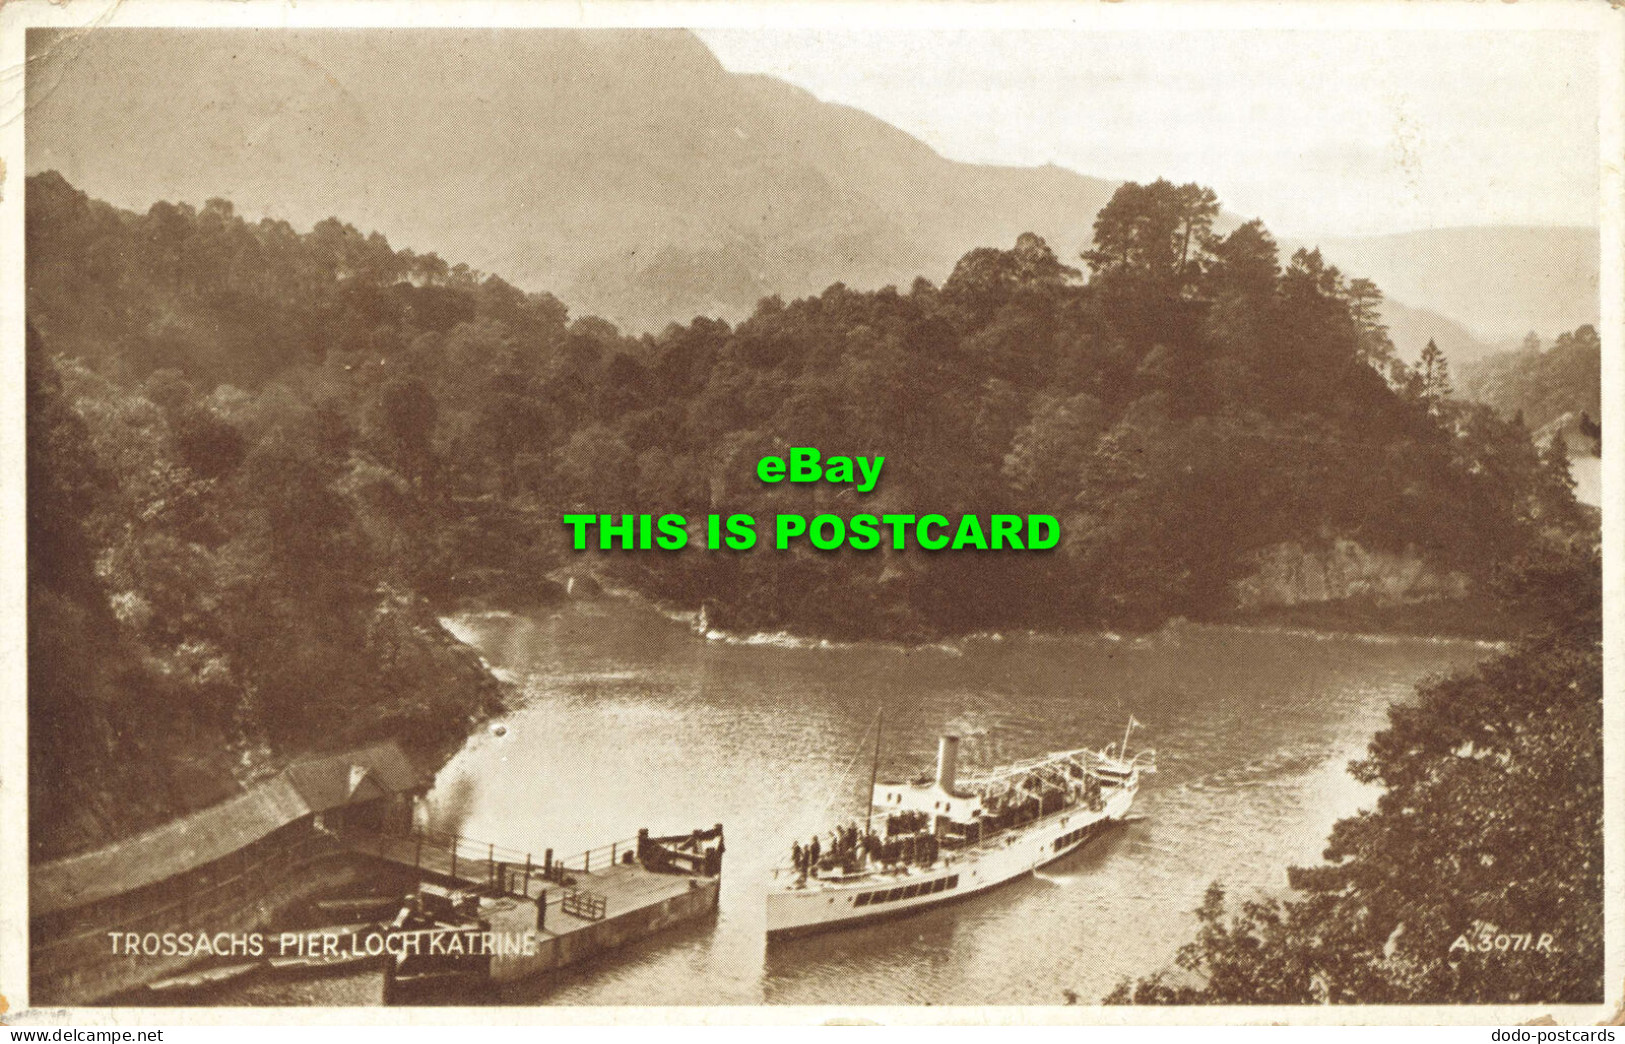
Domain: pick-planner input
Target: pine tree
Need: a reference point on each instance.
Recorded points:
(1557, 478)
(1434, 369)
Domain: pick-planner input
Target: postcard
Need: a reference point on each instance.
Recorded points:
(1085, 513)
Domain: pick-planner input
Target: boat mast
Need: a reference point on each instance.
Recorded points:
(874, 773)
(1122, 752)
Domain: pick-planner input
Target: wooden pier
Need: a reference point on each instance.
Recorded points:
(463, 862)
(570, 909)
(328, 826)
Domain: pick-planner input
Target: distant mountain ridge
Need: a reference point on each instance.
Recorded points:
(1412, 328)
(1499, 283)
(626, 171)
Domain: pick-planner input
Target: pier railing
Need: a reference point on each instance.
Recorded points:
(72, 946)
(603, 857)
(497, 868)
(589, 906)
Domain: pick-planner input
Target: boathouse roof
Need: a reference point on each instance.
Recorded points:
(357, 775)
(303, 788)
(177, 846)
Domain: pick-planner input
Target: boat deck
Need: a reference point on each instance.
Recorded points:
(601, 909)
(622, 885)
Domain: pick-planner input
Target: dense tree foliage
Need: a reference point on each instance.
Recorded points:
(1559, 383)
(1477, 876)
(272, 443)
(209, 587)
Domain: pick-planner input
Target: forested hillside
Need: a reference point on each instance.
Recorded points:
(276, 452)
(1477, 876)
(626, 170)
(630, 173)
(1412, 328)
(1558, 383)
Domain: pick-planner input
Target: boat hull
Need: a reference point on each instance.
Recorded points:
(821, 906)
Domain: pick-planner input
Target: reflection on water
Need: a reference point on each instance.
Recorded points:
(631, 720)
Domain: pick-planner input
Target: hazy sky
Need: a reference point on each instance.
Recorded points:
(1330, 133)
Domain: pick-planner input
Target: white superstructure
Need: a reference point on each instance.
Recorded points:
(945, 837)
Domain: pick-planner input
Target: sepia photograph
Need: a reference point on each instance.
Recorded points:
(1096, 508)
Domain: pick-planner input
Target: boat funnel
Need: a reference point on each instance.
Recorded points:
(947, 762)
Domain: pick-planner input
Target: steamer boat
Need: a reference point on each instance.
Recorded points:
(940, 838)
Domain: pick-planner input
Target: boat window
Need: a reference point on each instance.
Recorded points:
(939, 884)
(863, 900)
(953, 882)
(913, 890)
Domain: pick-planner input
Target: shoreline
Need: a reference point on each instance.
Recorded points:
(430, 731)
(1463, 619)
(1350, 619)
(488, 694)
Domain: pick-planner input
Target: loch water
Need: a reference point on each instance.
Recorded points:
(627, 718)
